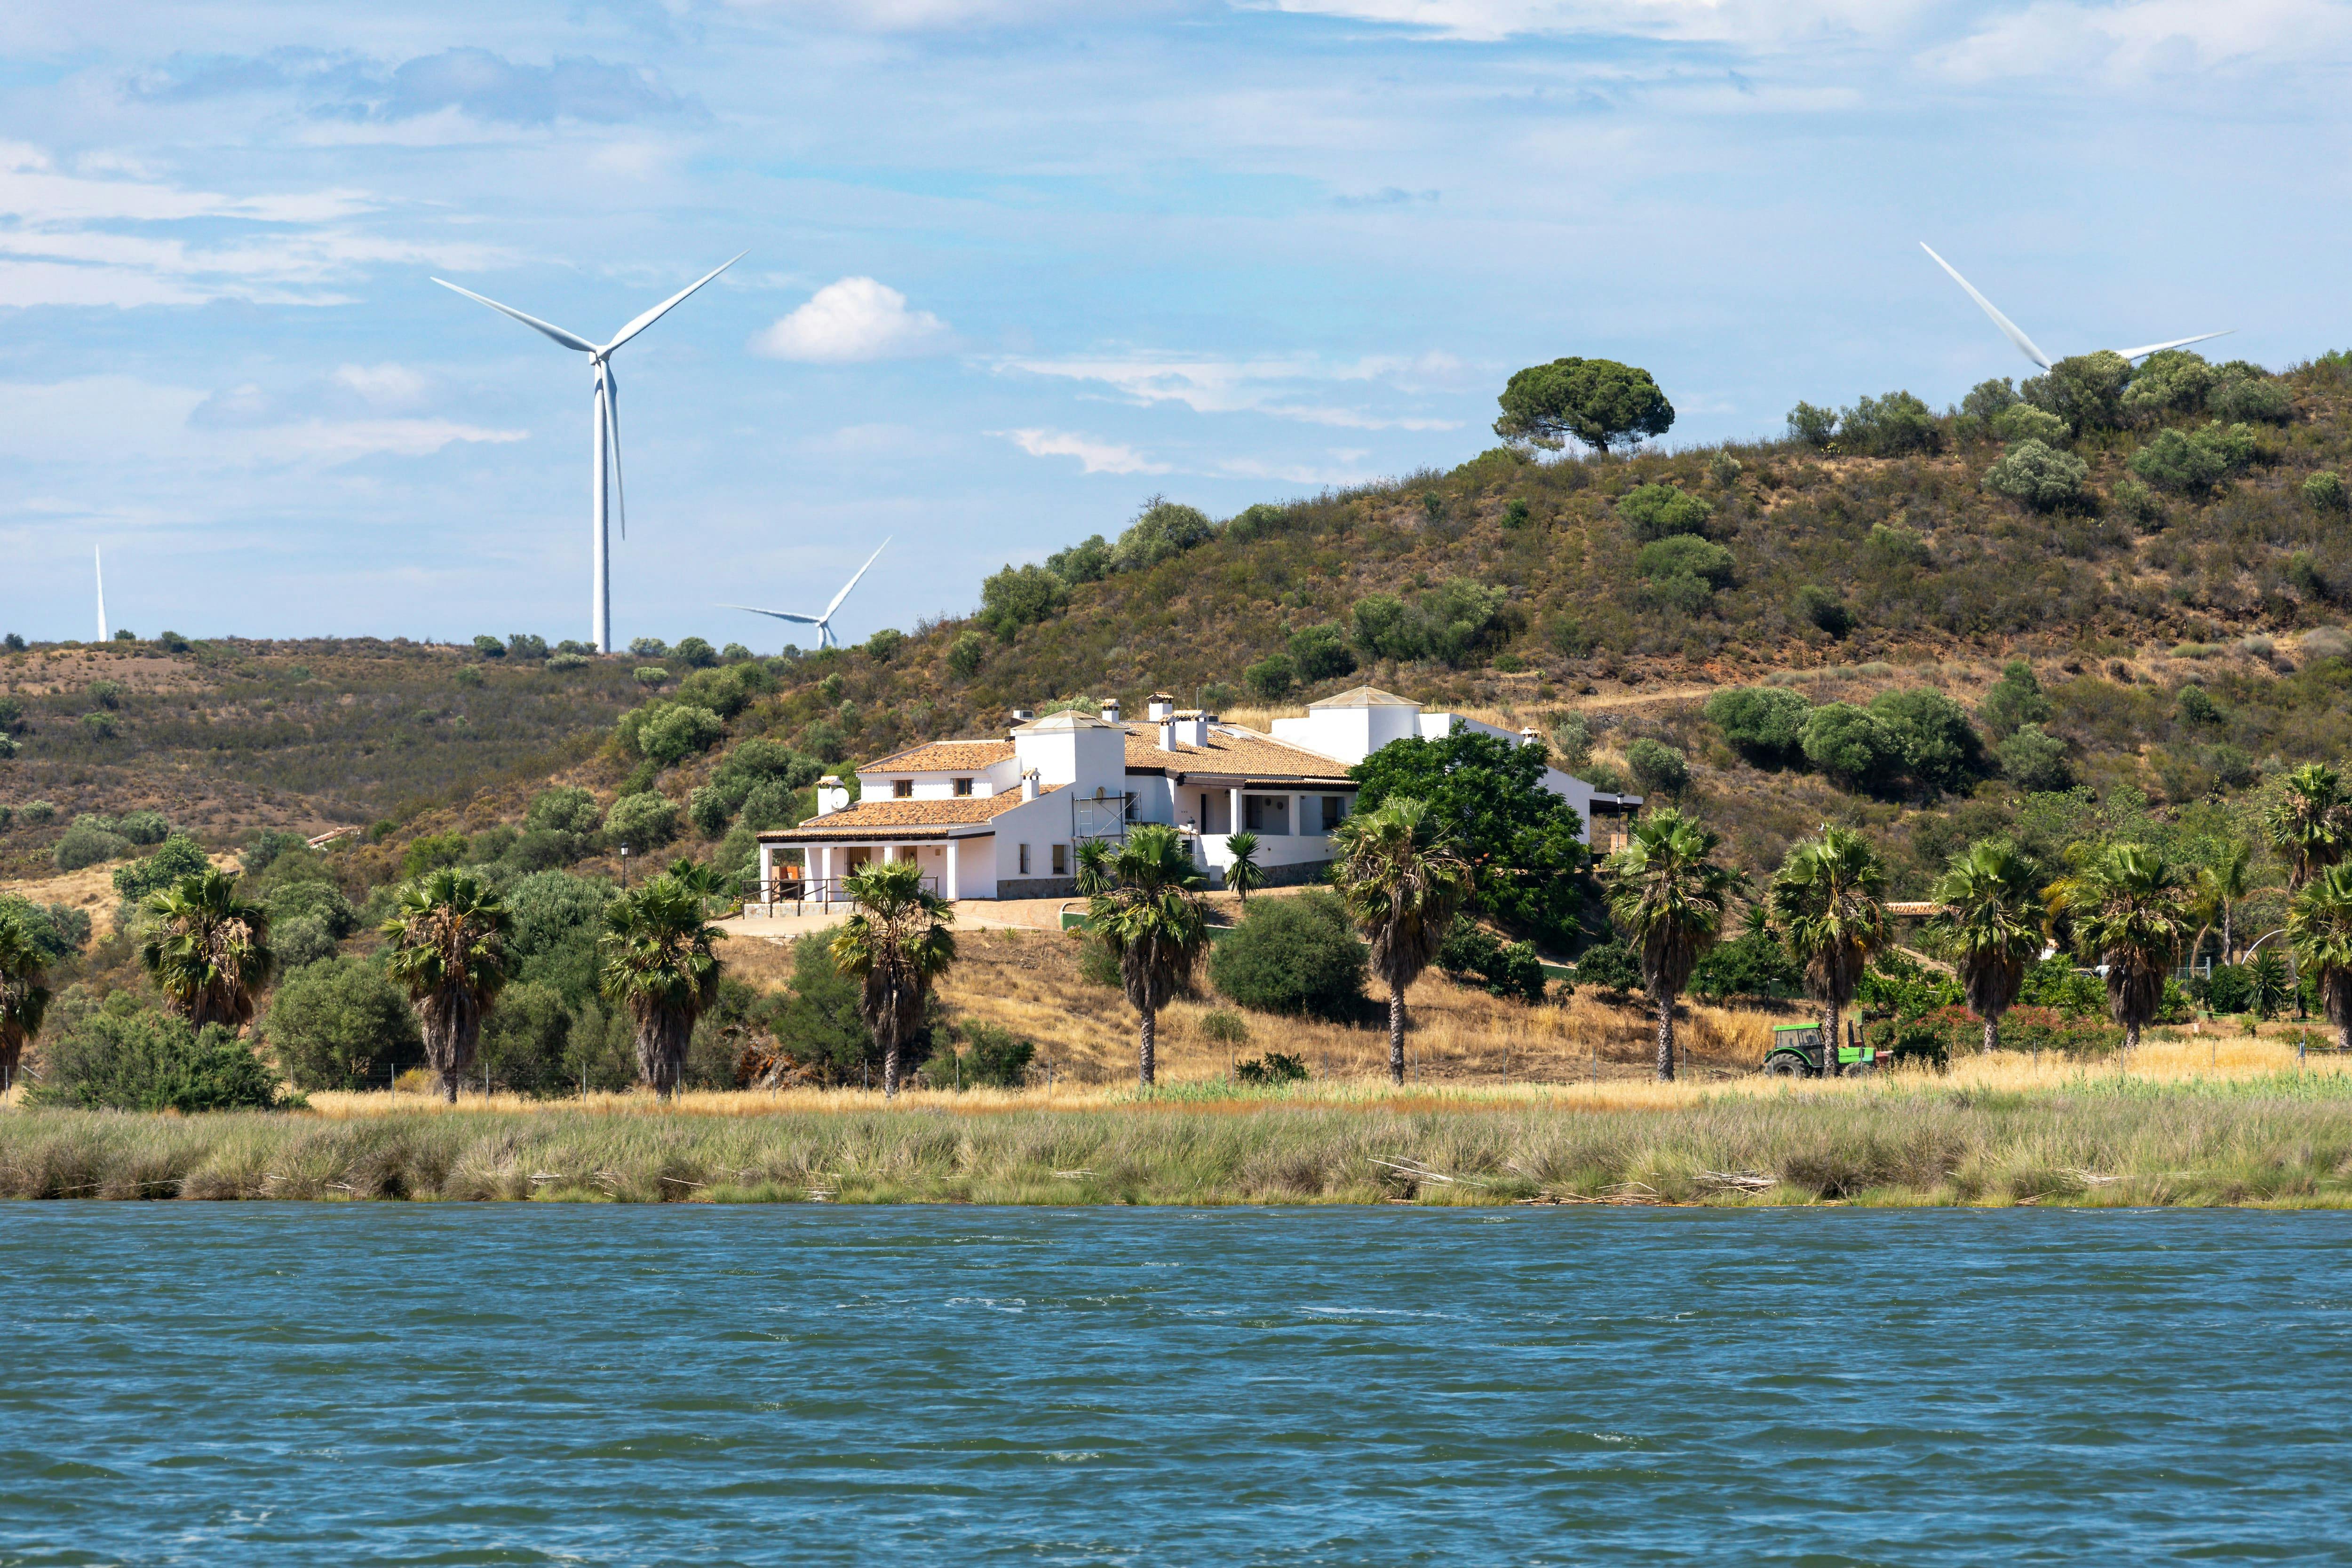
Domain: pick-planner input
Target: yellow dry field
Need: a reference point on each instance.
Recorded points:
(90, 889)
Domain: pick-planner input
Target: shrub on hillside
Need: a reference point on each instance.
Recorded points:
(992, 1057)
(1751, 966)
(641, 821)
(1448, 623)
(2192, 462)
(341, 1025)
(2086, 391)
(1473, 956)
(2325, 492)
(675, 731)
(2014, 699)
(2242, 390)
(267, 845)
(2038, 476)
(1888, 426)
(1760, 723)
(1824, 608)
(1653, 512)
(175, 859)
(1812, 427)
(1683, 556)
(431, 851)
(1321, 653)
(1940, 748)
(2023, 422)
(1021, 596)
(126, 1059)
(2171, 380)
(1296, 955)
(557, 918)
(1657, 767)
(695, 654)
(55, 931)
(1609, 966)
(1087, 561)
(2034, 760)
(968, 654)
(1270, 679)
(87, 844)
(1849, 745)
(566, 808)
(1162, 531)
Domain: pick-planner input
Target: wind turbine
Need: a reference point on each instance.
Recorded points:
(2025, 345)
(97, 560)
(606, 424)
(824, 623)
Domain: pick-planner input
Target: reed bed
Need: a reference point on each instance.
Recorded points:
(2097, 1138)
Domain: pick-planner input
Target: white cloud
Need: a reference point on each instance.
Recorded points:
(854, 321)
(1489, 21)
(1269, 386)
(1095, 456)
(383, 386)
(2131, 41)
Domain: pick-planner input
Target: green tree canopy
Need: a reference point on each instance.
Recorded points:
(1021, 596)
(1660, 511)
(341, 1025)
(1523, 843)
(1763, 724)
(1600, 402)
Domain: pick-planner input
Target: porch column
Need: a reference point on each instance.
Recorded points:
(951, 891)
(768, 876)
(1233, 811)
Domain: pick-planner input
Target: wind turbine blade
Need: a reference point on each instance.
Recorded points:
(658, 311)
(779, 614)
(98, 562)
(2026, 344)
(568, 340)
(612, 403)
(2175, 343)
(853, 581)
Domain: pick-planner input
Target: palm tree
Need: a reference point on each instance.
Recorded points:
(1153, 921)
(2306, 824)
(1826, 906)
(449, 946)
(1991, 925)
(1671, 896)
(898, 943)
(1094, 867)
(1402, 879)
(2319, 926)
(2221, 887)
(207, 949)
(659, 962)
(700, 878)
(2128, 908)
(24, 1000)
(1244, 876)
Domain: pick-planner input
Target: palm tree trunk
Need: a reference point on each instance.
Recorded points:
(1396, 1032)
(890, 1070)
(1667, 1040)
(1830, 1040)
(2131, 1040)
(2229, 944)
(1992, 1034)
(1146, 1061)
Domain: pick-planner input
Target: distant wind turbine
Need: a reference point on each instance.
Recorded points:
(97, 560)
(2025, 345)
(824, 623)
(607, 423)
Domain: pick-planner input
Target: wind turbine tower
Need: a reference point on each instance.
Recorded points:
(824, 623)
(2026, 345)
(97, 560)
(605, 434)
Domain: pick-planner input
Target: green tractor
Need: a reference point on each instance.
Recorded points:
(1797, 1052)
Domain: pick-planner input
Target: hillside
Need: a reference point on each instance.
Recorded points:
(2152, 547)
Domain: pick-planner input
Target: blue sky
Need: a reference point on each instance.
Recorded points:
(1016, 264)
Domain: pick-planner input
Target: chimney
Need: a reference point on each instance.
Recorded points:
(1111, 710)
(1167, 729)
(1529, 737)
(1191, 726)
(1029, 785)
(832, 795)
(1160, 706)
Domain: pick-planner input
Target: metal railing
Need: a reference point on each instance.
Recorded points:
(799, 892)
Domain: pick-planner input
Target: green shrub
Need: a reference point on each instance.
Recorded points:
(1941, 750)
(2023, 422)
(141, 1060)
(695, 654)
(677, 731)
(2193, 462)
(1321, 653)
(1223, 1025)
(267, 846)
(2323, 491)
(1296, 955)
(817, 1026)
(993, 1058)
(723, 690)
(1653, 512)
(1089, 560)
(707, 810)
(1471, 954)
(2171, 380)
(1812, 427)
(641, 821)
(1162, 531)
(2196, 705)
(2035, 760)
(1752, 966)
(968, 655)
(1683, 556)
(1760, 723)
(1449, 622)
(1272, 1070)
(1824, 608)
(142, 827)
(2038, 476)
(2134, 500)
(341, 1025)
(648, 647)
(2014, 699)
(489, 647)
(2242, 391)
(1657, 767)
(651, 674)
(565, 810)
(1851, 745)
(1894, 546)
(57, 931)
(2086, 391)
(177, 858)
(1888, 426)
(1021, 596)
(431, 851)
(1270, 679)
(884, 646)
(1609, 966)
(87, 844)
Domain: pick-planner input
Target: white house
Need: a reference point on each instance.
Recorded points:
(1002, 819)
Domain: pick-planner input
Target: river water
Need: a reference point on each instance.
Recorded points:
(394, 1383)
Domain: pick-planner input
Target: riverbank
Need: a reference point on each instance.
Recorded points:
(2097, 1138)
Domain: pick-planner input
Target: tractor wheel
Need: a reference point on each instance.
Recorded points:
(1786, 1064)
(1858, 1070)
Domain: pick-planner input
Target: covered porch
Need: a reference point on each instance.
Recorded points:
(952, 867)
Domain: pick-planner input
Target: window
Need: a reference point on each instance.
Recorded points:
(963, 786)
(1061, 860)
(902, 789)
(1024, 860)
(1266, 813)
(1334, 806)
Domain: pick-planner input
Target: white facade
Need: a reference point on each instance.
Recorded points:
(989, 818)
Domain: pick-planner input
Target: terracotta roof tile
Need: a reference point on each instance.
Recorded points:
(911, 819)
(1230, 750)
(942, 756)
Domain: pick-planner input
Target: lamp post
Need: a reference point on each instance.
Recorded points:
(624, 868)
